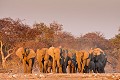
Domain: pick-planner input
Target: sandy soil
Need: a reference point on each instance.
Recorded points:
(51, 76)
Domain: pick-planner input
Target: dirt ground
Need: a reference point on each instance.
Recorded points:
(51, 76)
(36, 75)
(14, 74)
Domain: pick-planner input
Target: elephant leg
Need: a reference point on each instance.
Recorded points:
(54, 66)
(102, 70)
(79, 67)
(92, 66)
(45, 66)
(76, 67)
(49, 66)
(48, 69)
(40, 66)
(68, 69)
(69, 66)
(87, 62)
(83, 65)
(59, 66)
(87, 66)
(100, 67)
(24, 66)
(63, 68)
(57, 69)
(86, 69)
(60, 69)
(30, 66)
(73, 68)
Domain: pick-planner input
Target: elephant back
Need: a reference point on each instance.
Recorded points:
(51, 51)
(57, 53)
(78, 55)
(32, 54)
(45, 50)
(40, 54)
(85, 54)
(20, 52)
(97, 51)
(46, 55)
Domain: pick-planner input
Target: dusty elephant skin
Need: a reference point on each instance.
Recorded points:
(44, 60)
(100, 59)
(55, 54)
(82, 58)
(70, 61)
(27, 56)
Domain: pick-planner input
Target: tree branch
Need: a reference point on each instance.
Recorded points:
(10, 53)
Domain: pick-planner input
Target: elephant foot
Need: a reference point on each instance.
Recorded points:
(29, 71)
(49, 70)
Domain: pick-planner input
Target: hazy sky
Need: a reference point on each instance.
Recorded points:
(77, 16)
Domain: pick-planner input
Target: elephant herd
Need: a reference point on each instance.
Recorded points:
(62, 60)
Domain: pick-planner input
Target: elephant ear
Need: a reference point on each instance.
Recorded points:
(32, 54)
(19, 52)
(85, 54)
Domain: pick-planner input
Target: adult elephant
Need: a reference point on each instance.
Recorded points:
(70, 61)
(27, 55)
(44, 60)
(91, 63)
(83, 60)
(63, 61)
(55, 53)
(100, 59)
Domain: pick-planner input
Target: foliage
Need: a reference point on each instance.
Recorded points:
(14, 34)
(92, 40)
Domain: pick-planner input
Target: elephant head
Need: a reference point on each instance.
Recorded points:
(27, 55)
(25, 52)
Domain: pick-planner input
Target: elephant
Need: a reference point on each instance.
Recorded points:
(91, 67)
(70, 61)
(63, 55)
(44, 60)
(83, 60)
(55, 53)
(27, 55)
(99, 58)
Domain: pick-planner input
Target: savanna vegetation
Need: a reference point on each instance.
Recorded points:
(15, 34)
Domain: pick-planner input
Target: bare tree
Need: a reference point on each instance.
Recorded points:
(4, 58)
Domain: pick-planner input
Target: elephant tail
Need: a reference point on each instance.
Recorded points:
(109, 62)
